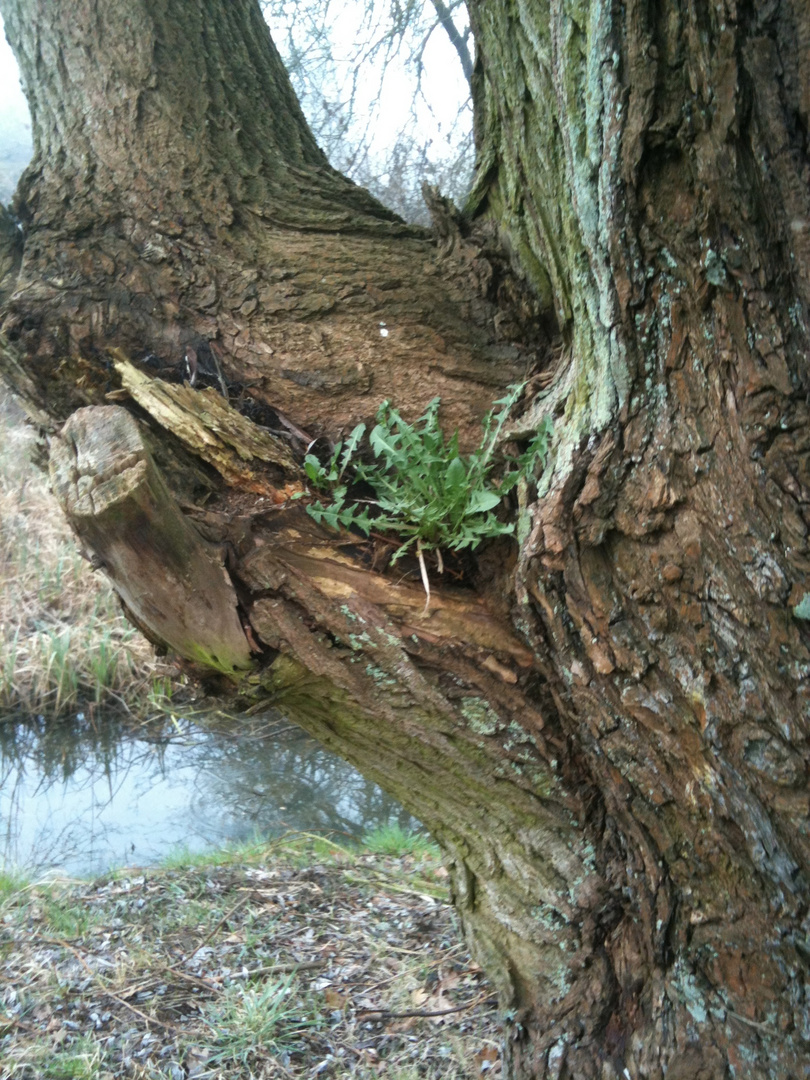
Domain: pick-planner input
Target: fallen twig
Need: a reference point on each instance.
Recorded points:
(279, 969)
(385, 1014)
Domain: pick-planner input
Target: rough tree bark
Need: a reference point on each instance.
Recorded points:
(604, 727)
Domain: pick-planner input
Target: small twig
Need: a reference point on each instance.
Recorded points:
(228, 914)
(216, 356)
(191, 978)
(752, 1023)
(279, 969)
(386, 1015)
(260, 706)
(320, 839)
(356, 877)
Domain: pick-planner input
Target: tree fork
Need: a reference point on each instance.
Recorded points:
(615, 754)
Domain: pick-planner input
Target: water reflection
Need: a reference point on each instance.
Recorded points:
(82, 797)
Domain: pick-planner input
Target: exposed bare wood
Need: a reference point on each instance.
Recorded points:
(168, 576)
(208, 425)
(455, 616)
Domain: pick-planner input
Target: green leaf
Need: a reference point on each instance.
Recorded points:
(381, 442)
(508, 481)
(312, 467)
(363, 521)
(351, 445)
(481, 501)
(456, 475)
(425, 490)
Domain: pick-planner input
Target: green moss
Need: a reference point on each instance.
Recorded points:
(194, 652)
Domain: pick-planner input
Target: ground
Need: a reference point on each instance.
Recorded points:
(294, 958)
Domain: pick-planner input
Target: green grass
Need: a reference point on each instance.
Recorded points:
(301, 847)
(64, 919)
(245, 851)
(262, 1018)
(394, 840)
(10, 883)
(81, 1060)
(246, 1022)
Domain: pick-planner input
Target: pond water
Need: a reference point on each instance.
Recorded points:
(82, 797)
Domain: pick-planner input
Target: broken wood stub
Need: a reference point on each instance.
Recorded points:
(168, 576)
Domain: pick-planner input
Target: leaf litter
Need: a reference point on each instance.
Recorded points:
(297, 958)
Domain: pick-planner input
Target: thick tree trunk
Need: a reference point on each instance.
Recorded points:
(606, 730)
(669, 217)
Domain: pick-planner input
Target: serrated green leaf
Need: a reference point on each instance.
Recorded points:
(424, 489)
(351, 445)
(509, 481)
(381, 441)
(363, 521)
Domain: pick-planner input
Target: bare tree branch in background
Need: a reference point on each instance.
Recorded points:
(326, 46)
(458, 41)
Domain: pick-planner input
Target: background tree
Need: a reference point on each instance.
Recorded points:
(605, 724)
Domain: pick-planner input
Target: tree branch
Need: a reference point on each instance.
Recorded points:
(456, 40)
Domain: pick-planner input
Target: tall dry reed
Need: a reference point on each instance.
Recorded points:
(64, 644)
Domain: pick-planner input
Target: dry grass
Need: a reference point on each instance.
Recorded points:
(64, 644)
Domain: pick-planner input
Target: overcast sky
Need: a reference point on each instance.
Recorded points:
(13, 106)
(11, 95)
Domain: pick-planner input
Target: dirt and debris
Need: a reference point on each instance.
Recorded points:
(299, 958)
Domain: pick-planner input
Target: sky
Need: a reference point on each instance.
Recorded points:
(15, 122)
(11, 95)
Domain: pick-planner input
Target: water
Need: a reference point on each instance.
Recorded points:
(83, 797)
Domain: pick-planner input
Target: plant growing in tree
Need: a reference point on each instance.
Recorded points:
(424, 489)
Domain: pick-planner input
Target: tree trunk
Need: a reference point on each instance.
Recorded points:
(605, 728)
